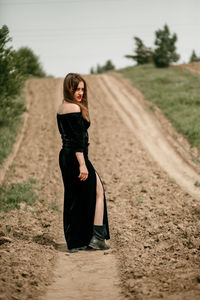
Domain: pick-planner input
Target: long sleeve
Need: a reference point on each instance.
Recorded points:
(77, 132)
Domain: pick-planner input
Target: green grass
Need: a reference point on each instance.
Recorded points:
(176, 92)
(197, 183)
(10, 120)
(55, 207)
(11, 195)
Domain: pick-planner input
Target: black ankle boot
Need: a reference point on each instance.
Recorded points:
(98, 239)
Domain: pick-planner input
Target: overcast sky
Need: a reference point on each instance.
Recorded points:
(74, 35)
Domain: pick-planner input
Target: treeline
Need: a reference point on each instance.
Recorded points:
(15, 67)
(163, 54)
(108, 66)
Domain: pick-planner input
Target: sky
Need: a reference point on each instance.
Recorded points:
(75, 35)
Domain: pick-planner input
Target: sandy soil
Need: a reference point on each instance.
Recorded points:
(192, 67)
(149, 173)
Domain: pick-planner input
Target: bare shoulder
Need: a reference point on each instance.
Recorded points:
(65, 108)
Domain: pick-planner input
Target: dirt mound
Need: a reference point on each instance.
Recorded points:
(192, 67)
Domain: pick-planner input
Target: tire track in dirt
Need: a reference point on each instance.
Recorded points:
(151, 135)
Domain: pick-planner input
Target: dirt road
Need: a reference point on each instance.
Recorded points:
(192, 67)
(153, 204)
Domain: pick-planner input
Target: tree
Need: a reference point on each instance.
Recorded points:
(11, 78)
(92, 71)
(29, 62)
(14, 68)
(143, 53)
(99, 69)
(108, 66)
(165, 52)
(194, 57)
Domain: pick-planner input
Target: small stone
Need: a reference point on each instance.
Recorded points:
(19, 284)
(24, 274)
(4, 239)
(147, 246)
(45, 225)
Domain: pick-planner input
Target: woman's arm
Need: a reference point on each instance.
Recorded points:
(77, 128)
(82, 166)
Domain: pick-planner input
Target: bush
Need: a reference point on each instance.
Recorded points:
(29, 63)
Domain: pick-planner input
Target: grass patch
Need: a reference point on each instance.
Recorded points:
(176, 92)
(55, 207)
(197, 184)
(10, 121)
(12, 194)
(139, 201)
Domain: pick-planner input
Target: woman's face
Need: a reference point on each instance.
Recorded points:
(78, 94)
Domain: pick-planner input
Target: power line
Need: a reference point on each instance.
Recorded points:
(43, 38)
(58, 1)
(92, 27)
(50, 34)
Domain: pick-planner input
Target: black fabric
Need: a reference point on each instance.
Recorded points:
(79, 196)
(73, 130)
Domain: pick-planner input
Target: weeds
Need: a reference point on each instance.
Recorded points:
(13, 194)
(139, 201)
(197, 184)
(196, 161)
(9, 126)
(55, 207)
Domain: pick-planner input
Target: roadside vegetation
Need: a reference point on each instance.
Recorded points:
(13, 195)
(9, 125)
(15, 67)
(175, 91)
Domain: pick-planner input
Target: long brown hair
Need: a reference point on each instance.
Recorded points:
(70, 85)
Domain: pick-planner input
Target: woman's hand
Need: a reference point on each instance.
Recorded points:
(83, 172)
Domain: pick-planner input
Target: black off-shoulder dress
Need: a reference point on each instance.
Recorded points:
(79, 196)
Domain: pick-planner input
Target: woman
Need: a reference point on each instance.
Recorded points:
(85, 212)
